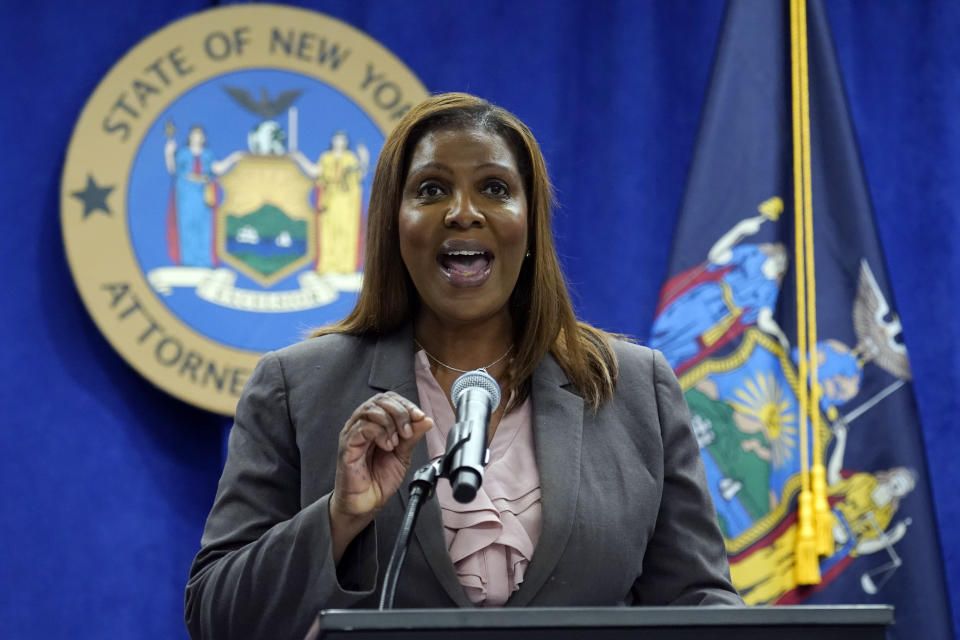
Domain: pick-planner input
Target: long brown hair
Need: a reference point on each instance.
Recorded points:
(540, 307)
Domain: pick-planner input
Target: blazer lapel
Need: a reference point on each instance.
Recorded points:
(557, 434)
(393, 370)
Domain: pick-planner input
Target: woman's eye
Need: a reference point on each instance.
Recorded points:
(496, 188)
(430, 190)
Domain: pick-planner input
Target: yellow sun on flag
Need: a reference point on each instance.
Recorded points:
(762, 399)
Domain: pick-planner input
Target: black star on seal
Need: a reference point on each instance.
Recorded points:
(94, 197)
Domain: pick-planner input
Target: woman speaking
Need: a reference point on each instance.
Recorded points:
(594, 494)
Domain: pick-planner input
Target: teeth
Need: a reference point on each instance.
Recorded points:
(465, 253)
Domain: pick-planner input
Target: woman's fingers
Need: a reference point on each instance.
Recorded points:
(386, 420)
(415, 412)
(361, 436)
(393, 415)
(404, 449)
(392, 411)
(376, 445)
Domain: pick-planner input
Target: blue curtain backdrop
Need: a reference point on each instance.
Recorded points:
(107, 481)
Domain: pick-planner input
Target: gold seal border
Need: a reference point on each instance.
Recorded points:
(171, 61)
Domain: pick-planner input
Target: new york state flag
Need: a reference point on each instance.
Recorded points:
(727, 323)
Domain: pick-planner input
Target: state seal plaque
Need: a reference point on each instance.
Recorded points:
(214, 193)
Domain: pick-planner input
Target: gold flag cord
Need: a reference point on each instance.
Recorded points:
(806, 564)
(822, 516)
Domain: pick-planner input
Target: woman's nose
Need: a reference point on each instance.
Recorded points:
(463, 213)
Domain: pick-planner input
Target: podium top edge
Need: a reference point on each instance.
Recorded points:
(594, 617)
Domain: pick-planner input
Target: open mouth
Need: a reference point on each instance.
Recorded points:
(465, 263)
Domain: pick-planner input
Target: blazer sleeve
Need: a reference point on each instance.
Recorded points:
(265, 567)
(685, 562)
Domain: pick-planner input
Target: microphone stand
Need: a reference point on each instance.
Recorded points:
(421, 489)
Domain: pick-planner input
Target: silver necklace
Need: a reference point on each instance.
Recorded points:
(444, 364)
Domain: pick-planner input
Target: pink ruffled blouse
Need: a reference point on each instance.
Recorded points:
(492, 538)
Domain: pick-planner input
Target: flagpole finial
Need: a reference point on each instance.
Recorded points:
(771, 208)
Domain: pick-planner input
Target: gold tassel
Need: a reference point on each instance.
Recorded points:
(822, 515)
(806, 566)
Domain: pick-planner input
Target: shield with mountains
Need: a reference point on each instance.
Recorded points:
(265, 227)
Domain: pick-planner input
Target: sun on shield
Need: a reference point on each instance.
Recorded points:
(265, 227)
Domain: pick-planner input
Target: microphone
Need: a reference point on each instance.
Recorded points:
(476, 395)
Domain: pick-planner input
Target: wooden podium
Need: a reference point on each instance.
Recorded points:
(636, 623)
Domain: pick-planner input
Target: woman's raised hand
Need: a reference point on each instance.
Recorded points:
(374, 454)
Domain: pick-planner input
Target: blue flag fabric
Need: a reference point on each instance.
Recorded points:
(726, 321)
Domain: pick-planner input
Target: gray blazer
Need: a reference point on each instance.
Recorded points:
(627, 518)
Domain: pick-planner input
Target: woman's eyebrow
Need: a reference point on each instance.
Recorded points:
(433, 164)
(496, 165)
(439, 166)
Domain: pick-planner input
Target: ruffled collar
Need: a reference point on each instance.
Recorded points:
(492, 538)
